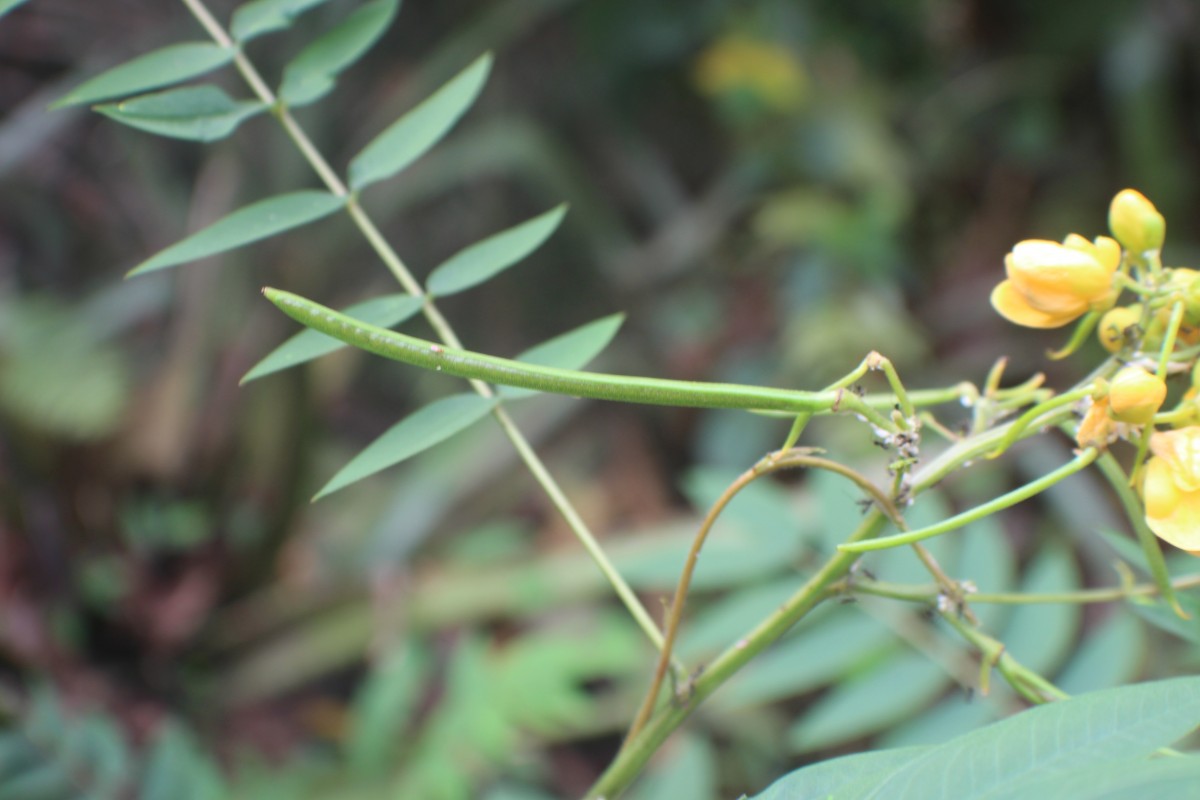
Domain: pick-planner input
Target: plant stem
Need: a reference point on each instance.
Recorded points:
(629, 762)
(406, 279)
(984, 509)
(768, 464)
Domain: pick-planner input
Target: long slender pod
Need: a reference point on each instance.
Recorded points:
(600, 386)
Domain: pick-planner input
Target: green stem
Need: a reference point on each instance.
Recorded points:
(1119, 482)
(633, 757)
(1025, 420)
(929, 593)
(767, 465)
(410, 284)
(965, 518)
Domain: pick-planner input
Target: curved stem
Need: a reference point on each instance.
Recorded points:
(406, 279)
(770, 463)
(1000, 503)
(629, 762)
(1025, 420)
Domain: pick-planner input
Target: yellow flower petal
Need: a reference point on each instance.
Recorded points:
(1012, 305)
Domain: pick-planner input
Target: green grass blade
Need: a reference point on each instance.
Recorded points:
(415, 433)
(409, 137)
(313, 73)
(196, 113)
(250, 224)
(163, 67)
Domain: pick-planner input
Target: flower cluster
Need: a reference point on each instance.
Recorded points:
(1049, 285)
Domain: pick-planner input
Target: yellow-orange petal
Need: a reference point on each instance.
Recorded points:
(1180, 451)
(1173, 515)
(1012, 305)
(1042, 267)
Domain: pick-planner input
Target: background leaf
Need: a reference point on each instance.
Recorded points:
(307, 345)
(421, 430)
(312, 73)
(197, 113)
(258, 17)
(571, 350)
(171, 64)
(256, 221)
(409, 137)
(8, 5)
(477, 263)
(1092, 729)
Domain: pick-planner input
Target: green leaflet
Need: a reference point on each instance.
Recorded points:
(571, 350)
(307, 345)
(259, 17)
(313, 73)
(168, 65)
(250, 224)
(409, 137)
(475, 264)
(197, 113)
(419, 431)
(8, 5)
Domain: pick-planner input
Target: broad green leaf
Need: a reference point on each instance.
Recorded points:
(8, 5)
(823, 780)
(570, 350)
(169, 65)
(250, 224)
(265, 16)
(407, 139)
(312, 74)
(197, 113)
(421, 430)
(384, 706)
(1175, 778)
(1041, 636)
(307, 345)
(1109, 656)
(892, 691)
(479, 262)
(1092, 729)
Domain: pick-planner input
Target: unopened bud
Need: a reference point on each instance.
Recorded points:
(1135, 396)
(1135, 222)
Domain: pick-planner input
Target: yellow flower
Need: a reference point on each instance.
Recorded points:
(1136, 222)
(1050, 285)
(1135, 396)
(1171, 487)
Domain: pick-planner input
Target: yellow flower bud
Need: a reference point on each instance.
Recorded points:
(1171, 487)
(1050, 285)
(1119, 326)
(1135, 396)
(1135, 222)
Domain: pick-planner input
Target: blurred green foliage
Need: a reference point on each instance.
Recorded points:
(768, 188)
